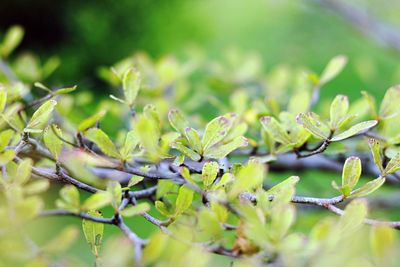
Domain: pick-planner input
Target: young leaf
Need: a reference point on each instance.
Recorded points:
(135, 180)
(216, 130)
(65, 90)
(41, 115)
(69, 198)
(272, 126)
(11, 40)
(93, 232)
(393, 165)
(355, 129)
(115, 190)
(382, 241)
(92, 120)
(62, 241)
(97, 201)
(376, 153)
(351, 174)
(186, 151)
(209, 172)
(371, 103)
(160, 206)
(131, 84)
(184, 200)
(52, 141)
(333, 68)
(5, 138)
(102, 140)
(3, 100)
(149, 134)
(36, 187)
(6, 157)
(177, 121)
(136, 210)
(390, 104)
(220, 151)
(194, 140)
(353, 216)
(338, 111)
(368, 188)
(311, 122)
(23, 171)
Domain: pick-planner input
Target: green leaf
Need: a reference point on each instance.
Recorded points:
(149, 135)
(225, 179)
(184, 200)
(12, 39)
(136, 210)
(115, 190)
(62, 241)
(186, 151)
(36, 187)
(135, 179)
(338, 111)
(102, 140)
(177, 121)
(6, 157)
(382, 239)
(23, 171)
(368, 188)
(273, 127)
(390, 104)
(351, 173)
(312, 123)
(93, 232)
(65, 90)
(97, 201)
(355, 129)
(209, 172)
(332, 69)
(353, 216)
(3, 100)
(69, 199)
(376, 153)
(393, 165)
(92, 120)
(160, 206)
(371, 103)
(131, 84)
(249, 177)
(52, 141)
(221, 151)
(216, 130)
(5, 138)
(41, 115)
(194, 140)
(131, 142)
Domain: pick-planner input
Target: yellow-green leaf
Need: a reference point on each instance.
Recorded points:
(23, 171)
(5, 138)
(221, 151)
(338, 111)
(194, 140)
(390, 104)
(186, 151)
(355, 129)
(135, 180)
(131, 84)
(69, 198)
(3, 100)
(97, 201)
(136, 210)
(273, 127)
(52, 141)
(393, 165)
(216, 130)
(65, 90)
(115, 190)
(41, 115)
(351, 172)
(12, 39)
(184, 200)
(62, 241)
(368, 188)
(376, 153)
(6, 157)
(93, 232)
(92, 120)
(353, 216)
(102, 140)
(312, 123)
(177, 121)
(209, 172)
(333, 68)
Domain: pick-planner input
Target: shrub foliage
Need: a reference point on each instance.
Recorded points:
(199, 177)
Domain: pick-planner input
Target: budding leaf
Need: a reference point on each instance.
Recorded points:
(186, 151)
(194, 140)
(393, 165)
(274, 128)
(12, 39)
(148, 133)
(311, 122)
(355, 129)
(177, 121)
(131, 84)
(351, 174)
(209, 172)
(221, 151)
(115, 190)
(390, 104)
(41, 115)
(376, 153)
(92, 120)
(184, 200)
(368, 188)
(102, 140)
(333, 68)
(135, 210)
(338, 111)
(93, 232)
(216, 130)
(52, 141)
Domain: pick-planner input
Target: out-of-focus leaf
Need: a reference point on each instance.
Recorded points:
(351, 174)
(225, 179)
(12, 39)
(135, 179)
(368, 188)
(93, 232)
(281, 221)
(371, 103)
(52, 141)
(3, 100)
(65, 90)
(131, 142)
(338, 111)
(355, 129)
(390, 104)
(69, 199)
(92, 120)
(382, 240)
(97, 201)
(194, 140)
(149, 135)
(393, 165)
(6, 157)
(272, 126)
(221, 151)
(36, 187)
(353, 216)
(115, 190)
(28, 208)
(250, 176)
(184, 200)
(312, 123)
(333, 68)
(41, 115)
(186, 151)
(131, 84)
(62, 241)
(102, 140)
(23, 171)
(216, 130)
(209, 172)
(160, 206)
(135, 210)
(5, 138)
(376, 153)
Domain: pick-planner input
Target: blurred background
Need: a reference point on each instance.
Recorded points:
(89, 34)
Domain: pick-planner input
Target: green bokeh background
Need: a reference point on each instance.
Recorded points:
(89, 34)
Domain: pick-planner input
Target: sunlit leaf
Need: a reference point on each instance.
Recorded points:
(12, 39)
(382, 239)
(41, 115)
(194, 140)
(62, 241)
(131, 84)
(390, 104)
(353, 216)
(5, 138)
(91, 121)
(368, 188)
(102, 140)
(333, 68)
(97, 201)
(338, 111)
(135, 179)
(221, 151)
(3, 100)
(93, 232)
(36, 187)
(376, 153)
(23, 171)
(209, 172)
(216, 130)
(356, 129)
(65, 90)
(184, 200)
(135, 210)
(115, 190)
(312, 123)
(69, 198)
(393, 165)
(52, 141)
(351, 174)
(177, 121)
(186, 151)
(6, 157)
(272, 126)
